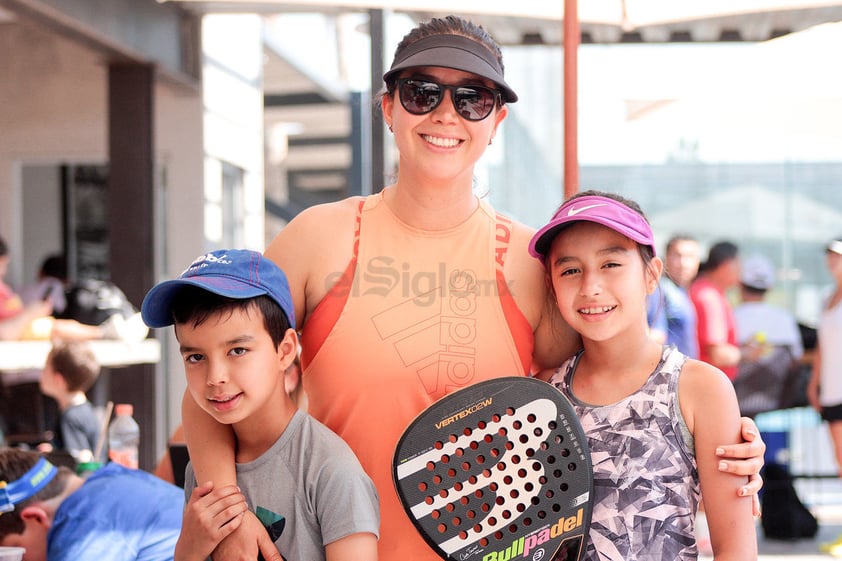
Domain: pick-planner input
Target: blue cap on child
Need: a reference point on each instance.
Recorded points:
(233, 273)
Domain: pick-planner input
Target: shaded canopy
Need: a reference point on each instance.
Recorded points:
(751, 212)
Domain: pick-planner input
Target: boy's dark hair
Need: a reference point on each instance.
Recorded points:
(75, 362)
(4, 249)
(195, 305)
(14, 464)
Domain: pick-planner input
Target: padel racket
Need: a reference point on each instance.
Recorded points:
(498, 470)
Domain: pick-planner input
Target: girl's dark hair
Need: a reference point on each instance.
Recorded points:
(195, 305)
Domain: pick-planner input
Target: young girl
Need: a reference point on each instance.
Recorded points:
(653, 417)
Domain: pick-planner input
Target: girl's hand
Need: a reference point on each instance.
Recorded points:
(211, 515)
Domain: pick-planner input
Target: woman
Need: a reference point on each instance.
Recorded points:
(825, 388)
(419, 290)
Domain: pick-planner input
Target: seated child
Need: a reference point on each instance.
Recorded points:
(118, 514)
(232, 314)
(71, 369)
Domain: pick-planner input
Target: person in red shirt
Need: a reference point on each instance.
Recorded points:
(716, 327)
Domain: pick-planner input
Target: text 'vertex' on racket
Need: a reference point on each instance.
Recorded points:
(499, 470)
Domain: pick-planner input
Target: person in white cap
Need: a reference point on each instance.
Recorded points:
(768, 336)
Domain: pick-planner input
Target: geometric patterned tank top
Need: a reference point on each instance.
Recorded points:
(646, 483)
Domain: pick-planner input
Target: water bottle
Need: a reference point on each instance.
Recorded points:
(124, 436)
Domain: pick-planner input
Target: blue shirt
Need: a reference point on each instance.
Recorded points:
(118, 514)
(670, 310)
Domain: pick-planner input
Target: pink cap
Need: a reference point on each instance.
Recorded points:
(593, 208)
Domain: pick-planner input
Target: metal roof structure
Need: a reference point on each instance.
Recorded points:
(542, 22)
(600, 21)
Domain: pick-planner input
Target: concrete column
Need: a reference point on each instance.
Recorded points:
(130, 219)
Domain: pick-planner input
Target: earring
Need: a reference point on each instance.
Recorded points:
(390, 128)
(490, 140)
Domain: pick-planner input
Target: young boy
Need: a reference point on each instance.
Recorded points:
(70, 370)
(118, 514)
(233, 317)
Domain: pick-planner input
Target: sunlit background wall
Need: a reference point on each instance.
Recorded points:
(723, 141)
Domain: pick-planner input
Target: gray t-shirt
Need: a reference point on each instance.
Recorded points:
(313, 488)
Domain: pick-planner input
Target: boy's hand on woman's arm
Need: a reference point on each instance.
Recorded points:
(210, 516)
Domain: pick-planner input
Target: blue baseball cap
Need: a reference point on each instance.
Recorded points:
(233, 273)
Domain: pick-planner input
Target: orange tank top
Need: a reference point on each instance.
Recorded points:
(415, 316)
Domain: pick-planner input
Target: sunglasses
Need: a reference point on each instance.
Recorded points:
(473, 103)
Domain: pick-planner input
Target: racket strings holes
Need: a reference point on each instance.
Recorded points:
(487, 468)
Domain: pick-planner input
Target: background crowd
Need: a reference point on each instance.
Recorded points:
(433, 110)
